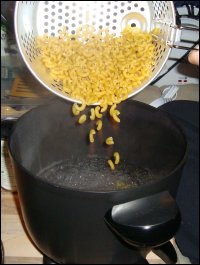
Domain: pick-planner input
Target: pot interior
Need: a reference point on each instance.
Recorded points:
(53, 147)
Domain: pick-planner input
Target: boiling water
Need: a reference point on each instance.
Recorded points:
(94, 174)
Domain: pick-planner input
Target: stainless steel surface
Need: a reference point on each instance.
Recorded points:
(34, 18)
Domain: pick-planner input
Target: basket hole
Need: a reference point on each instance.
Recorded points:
(142, 9)
(129, 7)
(133, 25)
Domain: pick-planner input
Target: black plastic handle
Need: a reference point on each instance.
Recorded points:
(147, 222)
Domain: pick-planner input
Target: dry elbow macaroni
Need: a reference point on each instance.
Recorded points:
(116, 157)
(99, 125)
(109, 141)
(82, 119)
(96, 110)
(95, 66)
(91, 135)
(111, 164)
(92, 116)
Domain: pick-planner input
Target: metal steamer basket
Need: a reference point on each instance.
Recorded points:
(34, 18)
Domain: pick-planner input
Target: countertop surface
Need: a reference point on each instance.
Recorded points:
(18, 248)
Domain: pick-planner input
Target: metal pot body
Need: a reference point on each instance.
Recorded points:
(67, 224)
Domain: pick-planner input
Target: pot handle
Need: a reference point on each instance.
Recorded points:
(146, 222)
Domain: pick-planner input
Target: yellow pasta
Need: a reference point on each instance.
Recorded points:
(113, 107)
(111, 164)
(103, 107)
(82, 119)
(95, 66)
(99, 125)
(91, 135)
(116, 157)
(75, 111)
(96, 110)
(115, 116)
(109, 141)
(92, 115)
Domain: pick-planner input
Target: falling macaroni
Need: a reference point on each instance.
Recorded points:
(96, 110)
(110, 163)
(99, 125)
(116, 157)
(82, 119)
(109, 141)
(91, 135)
(92, 116)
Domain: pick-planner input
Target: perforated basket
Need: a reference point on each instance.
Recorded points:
(34, 18)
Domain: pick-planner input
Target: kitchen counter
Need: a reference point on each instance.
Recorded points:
(18, 247)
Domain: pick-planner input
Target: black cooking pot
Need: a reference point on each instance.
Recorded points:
(67, 191)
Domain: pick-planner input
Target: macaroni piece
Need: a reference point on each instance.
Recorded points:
(109, 141)
(110, 163)
(82, 119)
(115, 116)
(91, 135)
(103, 107)
(116, 157)
(75, 111)
(96, 110)
(92, 116)
(99, 125)
(112, 109)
